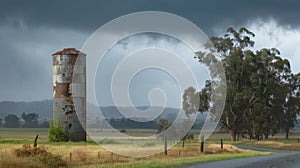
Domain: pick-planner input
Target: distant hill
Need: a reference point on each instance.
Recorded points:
(44, 109)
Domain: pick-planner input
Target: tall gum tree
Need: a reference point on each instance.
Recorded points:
(262, 93)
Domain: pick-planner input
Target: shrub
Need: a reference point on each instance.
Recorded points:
(56, 132)
(123, 131)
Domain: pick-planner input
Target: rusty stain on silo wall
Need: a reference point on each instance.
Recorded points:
(62, 90)
(69, 92)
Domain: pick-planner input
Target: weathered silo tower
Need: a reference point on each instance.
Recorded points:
(69, 92)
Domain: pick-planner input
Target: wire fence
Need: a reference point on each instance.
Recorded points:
(82, 156)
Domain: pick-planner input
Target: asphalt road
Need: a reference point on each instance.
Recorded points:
(282, 159)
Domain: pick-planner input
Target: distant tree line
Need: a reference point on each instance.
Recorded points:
(30, 120)
(124, 123)
(263, 95)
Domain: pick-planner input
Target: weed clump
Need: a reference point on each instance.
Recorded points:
(41, 155)
(57, 132)
(148, 144)
(108, 141)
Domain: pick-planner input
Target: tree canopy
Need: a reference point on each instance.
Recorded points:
(262, 92)
(31, 120)
(11, 121)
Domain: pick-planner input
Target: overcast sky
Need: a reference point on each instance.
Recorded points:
(30, 31)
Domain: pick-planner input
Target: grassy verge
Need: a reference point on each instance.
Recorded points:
(162, 162)
(271, 145)
(165, 162)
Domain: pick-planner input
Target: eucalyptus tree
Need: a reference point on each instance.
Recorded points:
(31, 120)
(11, 121)
(262, 93)
(235, 53)
(270, 84)
(291, 106)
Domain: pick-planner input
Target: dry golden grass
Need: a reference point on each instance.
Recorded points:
(277, 145)
(9, 160)
(94, 154)
(216, 149)
(89, 154)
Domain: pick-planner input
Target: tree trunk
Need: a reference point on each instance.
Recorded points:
(266, 136)
(233, 134)
(287, 131)
(258, 137)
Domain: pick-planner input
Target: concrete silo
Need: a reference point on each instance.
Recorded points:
(69, 92)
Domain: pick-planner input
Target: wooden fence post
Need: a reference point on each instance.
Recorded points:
(98, 155)
(166, 144)
(70, 156)
(221, 143)
(35, 141)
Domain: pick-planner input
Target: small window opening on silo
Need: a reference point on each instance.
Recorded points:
(70, 126)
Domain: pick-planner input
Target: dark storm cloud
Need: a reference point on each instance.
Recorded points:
(89, 15)
(30, 31)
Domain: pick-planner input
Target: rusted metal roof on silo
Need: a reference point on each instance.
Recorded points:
(69, 51)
